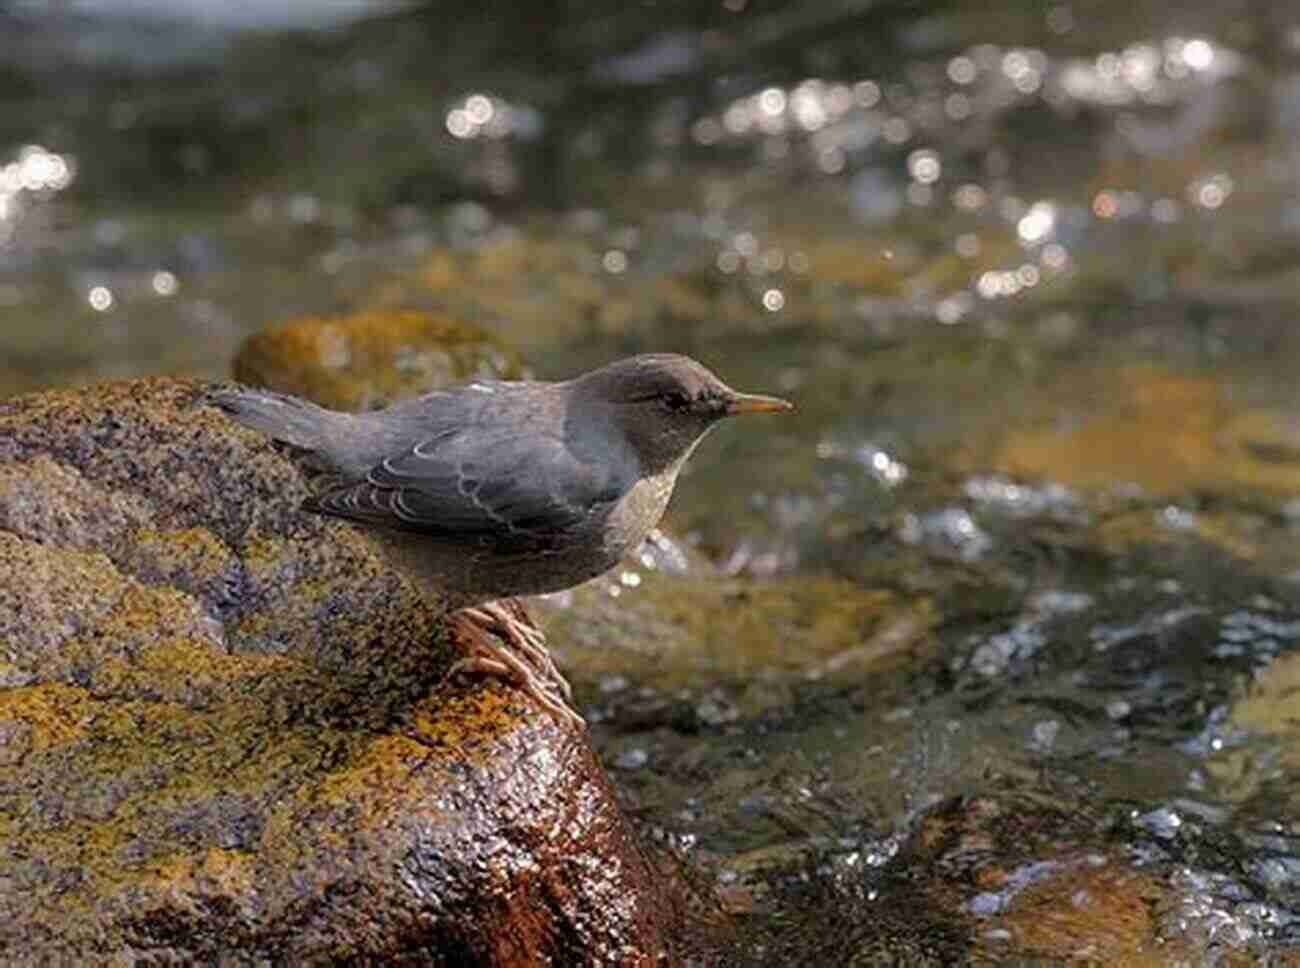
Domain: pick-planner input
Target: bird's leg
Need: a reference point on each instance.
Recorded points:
(541, 680)
(511, 621)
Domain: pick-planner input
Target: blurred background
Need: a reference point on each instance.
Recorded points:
(1031, 270)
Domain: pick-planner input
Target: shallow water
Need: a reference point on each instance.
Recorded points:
(1031, 276)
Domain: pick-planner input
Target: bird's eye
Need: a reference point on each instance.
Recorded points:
(676, 400)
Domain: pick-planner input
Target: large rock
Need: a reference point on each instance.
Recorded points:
(224, 730)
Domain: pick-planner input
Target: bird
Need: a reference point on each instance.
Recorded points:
(496, 489)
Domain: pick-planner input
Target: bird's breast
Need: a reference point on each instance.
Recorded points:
(637, 512)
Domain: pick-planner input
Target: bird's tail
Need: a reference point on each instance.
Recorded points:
(280, 417)
(348, 444)
(342, 443)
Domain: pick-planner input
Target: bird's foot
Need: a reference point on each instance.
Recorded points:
(509, 621)
(519, 639)
(519, 675)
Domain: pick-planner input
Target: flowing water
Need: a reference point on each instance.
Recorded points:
(1031, 273)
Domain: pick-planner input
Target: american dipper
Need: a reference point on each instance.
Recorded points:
(496, 489)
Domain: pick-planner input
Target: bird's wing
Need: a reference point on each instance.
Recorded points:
(515, 492)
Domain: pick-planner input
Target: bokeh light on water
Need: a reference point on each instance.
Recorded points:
(1029, 271)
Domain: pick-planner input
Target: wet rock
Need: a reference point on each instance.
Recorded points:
(1031, 881)
(1006, 879)
(1270, 707)
(368, 360)
(675, 637)
(225, 732)
(1167, 433)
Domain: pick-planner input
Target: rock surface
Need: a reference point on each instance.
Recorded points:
(371, 359)
(686, 642)
(1008, 879)
(224, 731)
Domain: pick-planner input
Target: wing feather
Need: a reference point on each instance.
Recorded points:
(524, 493)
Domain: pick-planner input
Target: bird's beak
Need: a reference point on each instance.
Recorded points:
(756, 403)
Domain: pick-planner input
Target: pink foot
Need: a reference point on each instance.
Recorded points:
(500, 638)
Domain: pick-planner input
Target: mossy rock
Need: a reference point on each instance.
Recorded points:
(675, 633)
(226, 734)
(1170, 433)
(368, 360)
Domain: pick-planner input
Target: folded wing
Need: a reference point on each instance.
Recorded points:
(516, 493)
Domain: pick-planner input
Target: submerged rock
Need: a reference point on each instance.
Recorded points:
(681, 640)
(1167, 433)
(225, 734)
(1009, 879)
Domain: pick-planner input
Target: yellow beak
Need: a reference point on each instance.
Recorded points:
(757, 403)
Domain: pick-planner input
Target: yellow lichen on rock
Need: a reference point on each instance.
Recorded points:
(223, 721)
(370, 359)
(56, 714)
(1270, 707)
(48, 593)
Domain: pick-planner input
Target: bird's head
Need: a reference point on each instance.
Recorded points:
(665, 403)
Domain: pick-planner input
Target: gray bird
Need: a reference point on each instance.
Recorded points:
(496, 489)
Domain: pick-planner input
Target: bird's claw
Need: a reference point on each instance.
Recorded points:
(520, 639)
